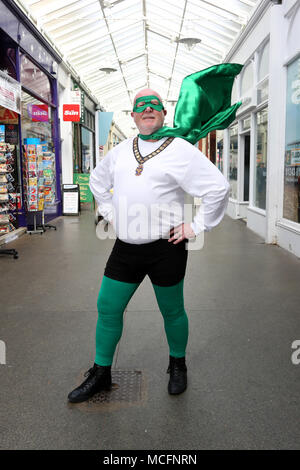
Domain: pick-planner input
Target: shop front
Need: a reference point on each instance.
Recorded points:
(260, 152)
(10, 168)
(84, 148)
(29, 133)
(10, 193)
(291, 195)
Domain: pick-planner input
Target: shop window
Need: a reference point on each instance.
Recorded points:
(84, 144)
(247, 79)
(35, 79)
(220, 148)
(263, 70)
(77, 148)
(89, 120)
(8, 61)
(10, 183)
(87, 139)
(233, 161)
(246, 123)
(263, 91)
(38, 152)
(260, 175)
(291, 197)
(234, 92)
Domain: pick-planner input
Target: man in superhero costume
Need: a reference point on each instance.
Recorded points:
(150, 174)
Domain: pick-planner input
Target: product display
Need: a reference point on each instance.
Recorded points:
(9, 198)
(33, 176)
(49, 177)
(39, 176)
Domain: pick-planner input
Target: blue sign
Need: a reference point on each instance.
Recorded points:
(104, 123)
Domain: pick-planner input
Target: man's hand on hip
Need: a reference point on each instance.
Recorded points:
(181, 232)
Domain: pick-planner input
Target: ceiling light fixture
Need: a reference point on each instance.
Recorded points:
(108, 69)
(189, 36)
(189, 42)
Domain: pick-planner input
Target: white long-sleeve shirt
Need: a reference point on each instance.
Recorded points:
(144, 208)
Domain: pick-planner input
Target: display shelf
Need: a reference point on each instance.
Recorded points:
(8, 193)
(39, 182)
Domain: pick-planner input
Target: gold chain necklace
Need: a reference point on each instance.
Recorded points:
(141, 160)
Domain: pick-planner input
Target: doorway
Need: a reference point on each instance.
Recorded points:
(246, 166)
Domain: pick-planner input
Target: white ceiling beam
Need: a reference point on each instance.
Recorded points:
(115, 50)
(65, 11)
(146, 41)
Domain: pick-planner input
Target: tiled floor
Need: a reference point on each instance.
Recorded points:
(242, 298)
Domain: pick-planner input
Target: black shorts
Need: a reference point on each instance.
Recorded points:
(164, 262)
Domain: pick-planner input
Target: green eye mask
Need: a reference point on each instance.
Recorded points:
(144, 101)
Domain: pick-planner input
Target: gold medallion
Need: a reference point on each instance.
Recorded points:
(141, 160)
(139, 170)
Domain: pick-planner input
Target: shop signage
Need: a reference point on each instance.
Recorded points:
(82, 108)
(8, 117)
(71, 112)
(11, 134)
(10, 93)
(295, 156)
(83, 179)
(70, 199)
(104, 123)
(38, 112)
(75, 96)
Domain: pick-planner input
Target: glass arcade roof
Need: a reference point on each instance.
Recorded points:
(138, 38)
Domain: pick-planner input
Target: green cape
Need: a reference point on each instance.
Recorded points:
(204, 104)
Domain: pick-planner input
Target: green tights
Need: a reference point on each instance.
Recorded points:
(112, 301)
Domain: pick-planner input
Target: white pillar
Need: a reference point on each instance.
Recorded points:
(225, 152)
(66, 133)
(241, 162)
(252, 169)
(97, 136)
(276, 122)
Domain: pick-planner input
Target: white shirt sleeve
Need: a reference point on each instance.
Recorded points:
(203, 179)
(101, 181)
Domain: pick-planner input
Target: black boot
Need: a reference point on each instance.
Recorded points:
(178, 375)
(98, 378)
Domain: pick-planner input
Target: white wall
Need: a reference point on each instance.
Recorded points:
(253, 39)
(64, 87)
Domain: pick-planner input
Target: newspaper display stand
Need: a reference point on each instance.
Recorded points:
(9, 196)
(70, 199)
(34, 185)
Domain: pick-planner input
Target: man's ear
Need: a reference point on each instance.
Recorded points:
(165, 112)
(132, 114)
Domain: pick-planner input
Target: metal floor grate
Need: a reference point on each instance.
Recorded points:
(126, 388)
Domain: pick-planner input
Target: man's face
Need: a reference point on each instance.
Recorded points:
(149, 120)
